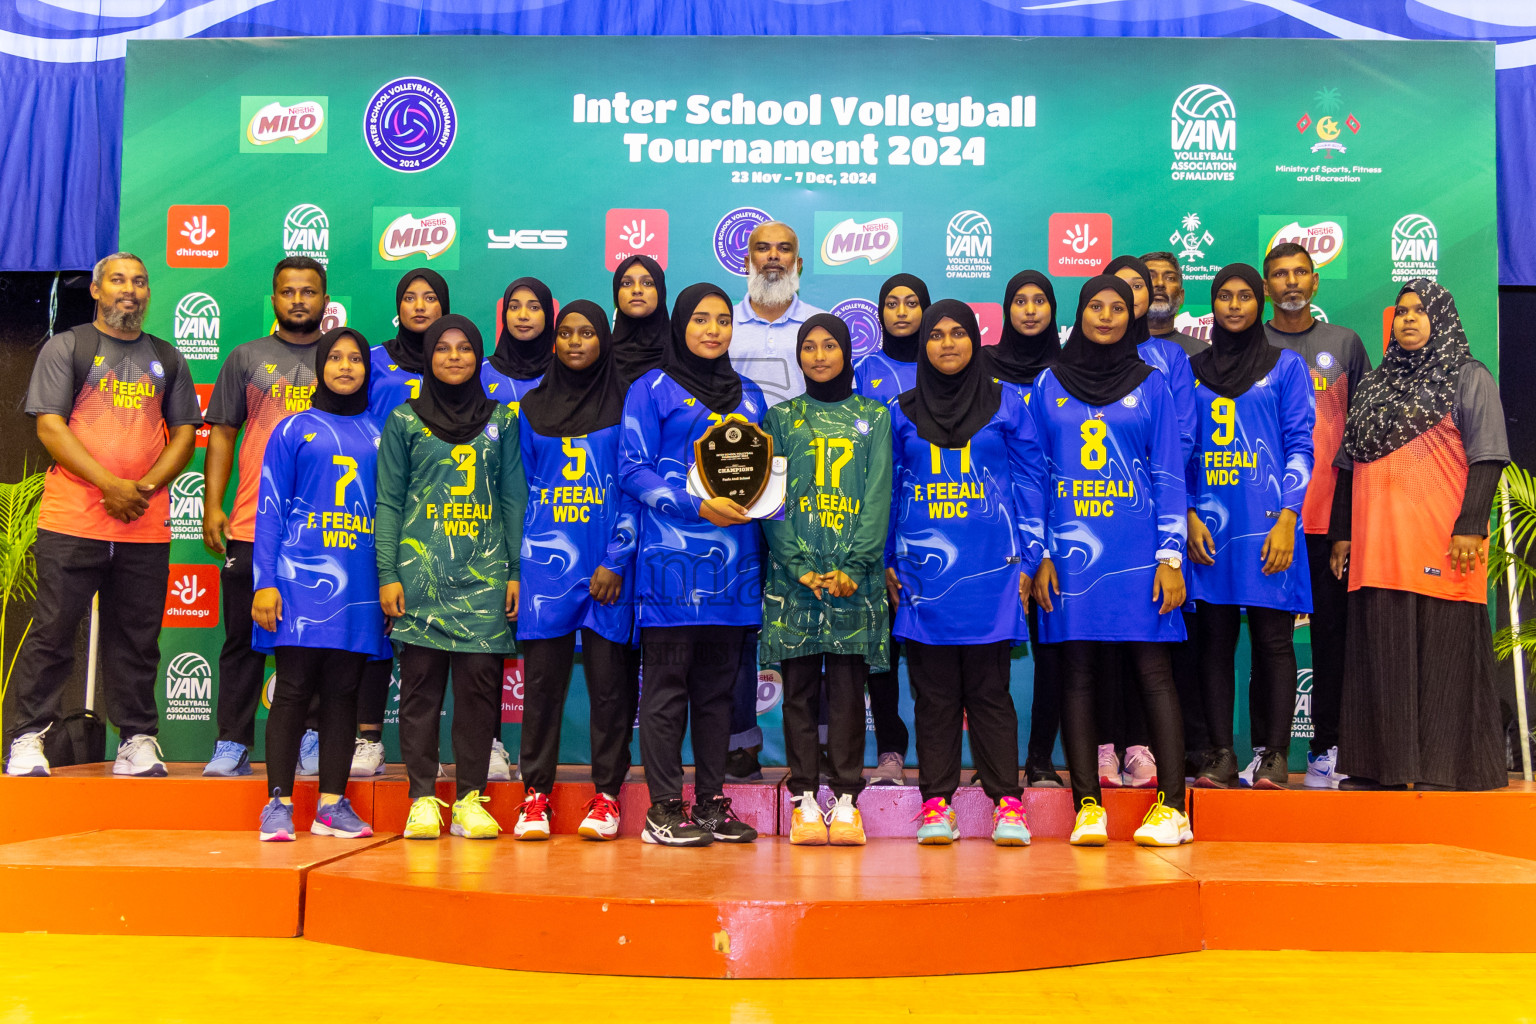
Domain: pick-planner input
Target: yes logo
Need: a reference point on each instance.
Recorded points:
(192, 596)
(1079, 243)
(630, 233)
(197, 236)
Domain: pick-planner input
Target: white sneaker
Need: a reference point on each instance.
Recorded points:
(602, 820)
(1164, 826)
(532, 818)
(1322, 770)
(367, 759)
(1245, 777)
(1109, 767)
(1090, 828)
(501, 764)
(139, 756)
(27, 757)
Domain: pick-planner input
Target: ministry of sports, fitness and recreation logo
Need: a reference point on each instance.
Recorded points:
(1190, 241)
(276, 124)
(1327, 126)
(186, 495)
(188, 688)
(307, 232)
(1204, 135)
(863, 320)
(1323, 237)
(731, 236)
(968, 246)
(1415, 248)
(195, 326)
(410, 124)
(417, 234)
(855, 243)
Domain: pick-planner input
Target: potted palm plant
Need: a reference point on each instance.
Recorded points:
(19, 503)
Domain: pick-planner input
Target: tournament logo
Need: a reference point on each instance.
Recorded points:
(307, 232)
(1079, 243)
(275, 124)
(188, 688)
(731, 236)
(405, 234)
(410, 124)
(968, 246)
(1302, 727)
(863, 320)
(1415, 248)
(629, 233)
(195, 326)
(1327, 126)
(186, 496)
(847, 238)
(527, 238)
(192, 596)
(1322, 237)
(197, 236)
(1204, 135)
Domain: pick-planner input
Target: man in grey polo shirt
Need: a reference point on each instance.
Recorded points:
(763, 343)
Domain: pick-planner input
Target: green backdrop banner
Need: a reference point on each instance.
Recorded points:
(961, 160)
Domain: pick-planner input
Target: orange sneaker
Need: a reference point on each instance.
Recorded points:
(847, 825)
(806, 827)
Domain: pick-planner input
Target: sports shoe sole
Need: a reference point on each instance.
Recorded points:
(648, 836)
(366, 773)
(157, 772)
(533, 836)
(317, 829)
(886, 781)
(37, 772)
(1009, 841)
(722, 837)
(1106, 782)
(1157, 844)
(1269, 784)
(463, 833)
(1205, 782)
(1320, 782)
(819, 839)
(408, 834)
(1046, 784)
(232, 774)
(939, 840)
(857, 840)
(595, 832)
(1090, 841)
(277, 837)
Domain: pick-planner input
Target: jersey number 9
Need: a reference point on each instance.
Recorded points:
(1224, 412)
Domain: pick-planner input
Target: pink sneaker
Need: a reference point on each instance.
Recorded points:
(1140, 768)
(1109, 767)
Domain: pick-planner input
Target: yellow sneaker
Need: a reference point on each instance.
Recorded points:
(806, 827)
(425, 821)
(470, 818)
(847, 827)
(1164, 826)
(1091, 828)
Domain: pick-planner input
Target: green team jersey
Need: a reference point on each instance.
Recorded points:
(837, 505)
(450, 523)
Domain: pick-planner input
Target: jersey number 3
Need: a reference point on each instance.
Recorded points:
(464, 455)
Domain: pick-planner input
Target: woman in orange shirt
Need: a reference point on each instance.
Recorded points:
(1426, 443)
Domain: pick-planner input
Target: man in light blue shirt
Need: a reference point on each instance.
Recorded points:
(769, 318)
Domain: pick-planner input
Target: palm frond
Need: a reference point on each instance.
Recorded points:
(1519, 488)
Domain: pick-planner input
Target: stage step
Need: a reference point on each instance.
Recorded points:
(134, 882)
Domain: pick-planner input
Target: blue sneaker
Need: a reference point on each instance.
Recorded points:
(1009, 827)
(229, 760)
(277, 821)
(309, 753)
(339, 820)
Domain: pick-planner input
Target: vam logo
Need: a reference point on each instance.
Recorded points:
(307, 232)
(847, 238)
(188, 688)
(968, 246)
(195, 326)
(1301, 723)
(406, 235)
(1415, 248)
(1204, 135)
(187, 506)
(275, 124)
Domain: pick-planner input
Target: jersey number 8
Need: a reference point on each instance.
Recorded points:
(1094, 455)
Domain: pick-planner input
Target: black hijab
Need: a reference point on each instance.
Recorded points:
(405, 347)
(455, 413)
(1016, 358)
(903, 350)
(640, 346)
(711, 381)
(1139, 330)
(525, 360)
(571, 403)
(1410, 392)
(840, 387)
(948, 409)
(326, 400)
(1234, 361)
(1094, 373)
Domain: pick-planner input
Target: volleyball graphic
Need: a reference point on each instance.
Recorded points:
(1203, 102)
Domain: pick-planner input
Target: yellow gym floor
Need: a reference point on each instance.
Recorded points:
(56, 978)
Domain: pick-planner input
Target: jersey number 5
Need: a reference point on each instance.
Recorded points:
(348, 474)
(822, 445)
(577, 467)
(1224, 412)
(464, 455)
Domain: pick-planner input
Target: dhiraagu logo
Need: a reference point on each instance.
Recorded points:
(858, 243)
(281, 124)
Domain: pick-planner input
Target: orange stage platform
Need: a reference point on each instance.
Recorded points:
(1270, 870)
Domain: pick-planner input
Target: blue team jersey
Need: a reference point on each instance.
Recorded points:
(501, 388)
(959, 528)
(578, 518)
(1162, 354)
(880, 377)
(1253, 459)
(1116, 504)
(314, 534)
(388, 384)
(688, 572)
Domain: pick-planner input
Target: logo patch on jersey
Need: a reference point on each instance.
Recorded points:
(98, 360)
(271, 367)
(688, 402)
(156, 369)
(1430, 570)
(491, 431)
(1262, 382)
(799, 423)
(1129, 401)
(862, 426)
(1060, 402)
(1325, 359)
(876, 382)
(309, 437)
(393, 367)
(494, 385)
(376, 441)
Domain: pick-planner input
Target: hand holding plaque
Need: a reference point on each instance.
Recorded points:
(734, 459)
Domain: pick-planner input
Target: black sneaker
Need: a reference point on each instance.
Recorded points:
(1194, 760)
(741, 766)
(1041, 775)
(1218, 770)
(1273, 771)
(715, 818)
(668, 824)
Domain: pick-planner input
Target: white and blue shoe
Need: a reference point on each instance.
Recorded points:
(1323, 770)
(27, 757)
(1245, 777)
(139, 757)
(277, 822)
(309, 754)
(230, 759)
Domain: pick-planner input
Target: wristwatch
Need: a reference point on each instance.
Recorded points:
(1172, 561)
